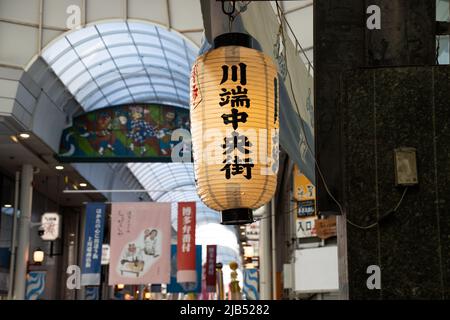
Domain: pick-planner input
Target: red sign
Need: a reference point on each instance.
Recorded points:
(211, 254)
(186, 243)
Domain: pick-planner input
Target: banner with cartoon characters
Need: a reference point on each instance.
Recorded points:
(140, 243)
(125, 133)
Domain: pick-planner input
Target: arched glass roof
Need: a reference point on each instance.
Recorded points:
(123, 62)
(172, 182)
(116, 63)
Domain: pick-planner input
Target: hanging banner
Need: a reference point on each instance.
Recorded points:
(185, 287)
(140, 243)
(35, 285)
(93, 239)
(186, 242)
(92, 293)
(211, 256)
(251, 284)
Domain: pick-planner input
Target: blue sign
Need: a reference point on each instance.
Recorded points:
(93, 240)
(35, 285)
(174, 286)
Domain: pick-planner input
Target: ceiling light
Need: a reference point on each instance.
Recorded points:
(7, 206)
(120, 286)
(59, 167)
(24, 135)
(14, 138)
(83, 185)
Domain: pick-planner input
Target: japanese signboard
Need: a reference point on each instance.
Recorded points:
(140, 243)
(306, 208)
(304, 190)
(211, 256)
(306, 227)
(51, 225)
(93, 239)
(326, 228)
(106, 253)
(186, 242)
(185, 287)
(252, 231)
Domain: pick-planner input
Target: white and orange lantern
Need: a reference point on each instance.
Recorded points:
(235, 127)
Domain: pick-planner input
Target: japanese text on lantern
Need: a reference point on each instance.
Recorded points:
(236, 147)
(187, 219)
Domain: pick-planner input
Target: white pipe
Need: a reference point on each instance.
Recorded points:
(14, 236)
(264, 255)
(26, 197)
(41, 18)
(274, 250)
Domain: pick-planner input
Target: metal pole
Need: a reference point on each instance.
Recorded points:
(26, 197)
(264, 255)
(274, 250)
(13, 240)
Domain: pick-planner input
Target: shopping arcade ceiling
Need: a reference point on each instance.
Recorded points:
(117, 63)
(131, 62)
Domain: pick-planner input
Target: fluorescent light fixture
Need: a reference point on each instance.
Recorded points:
(8, 206)
(83, 185)
(24, 135)
(59, 167)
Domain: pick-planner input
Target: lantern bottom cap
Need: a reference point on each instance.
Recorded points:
(237, 216)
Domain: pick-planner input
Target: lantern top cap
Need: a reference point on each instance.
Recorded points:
(233, 39)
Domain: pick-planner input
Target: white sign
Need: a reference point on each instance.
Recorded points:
(306, 227)
(50, 224)
(316, 270)
(252, 231)
(105, 254)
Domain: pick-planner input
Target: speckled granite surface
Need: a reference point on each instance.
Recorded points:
(383, 109)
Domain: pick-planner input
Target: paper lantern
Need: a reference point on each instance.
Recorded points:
(235, 127)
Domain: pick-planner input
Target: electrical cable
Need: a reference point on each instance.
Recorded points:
(385, 215)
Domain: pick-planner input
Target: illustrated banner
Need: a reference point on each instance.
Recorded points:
(140, 243)
(186, 242)
(125, 133)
